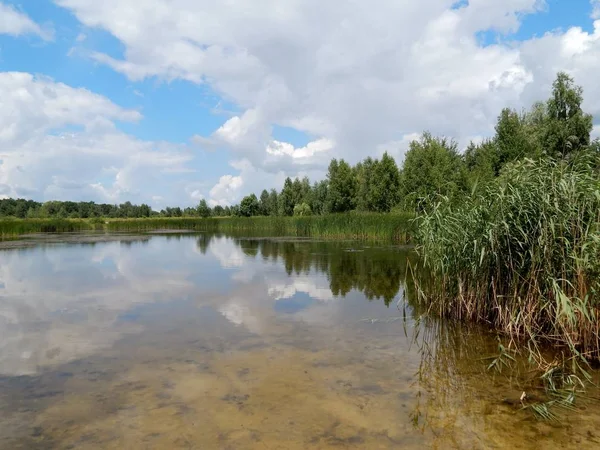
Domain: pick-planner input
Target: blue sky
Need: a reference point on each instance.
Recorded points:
(171, 102)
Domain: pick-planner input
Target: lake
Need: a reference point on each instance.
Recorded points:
(210, 341)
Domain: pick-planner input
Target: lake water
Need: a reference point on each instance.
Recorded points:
(216, 342)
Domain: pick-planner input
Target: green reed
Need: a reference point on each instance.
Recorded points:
(14, 227)
(396, 228)
(523, 256)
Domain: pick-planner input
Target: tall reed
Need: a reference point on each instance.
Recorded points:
(522, 255)
(394, 228)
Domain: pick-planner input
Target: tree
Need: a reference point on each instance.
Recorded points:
(568, 127)
(481, 161)
(319, 197)
(364, 178)
(286, 198)
(385, 186)
(264, 203)
(203, 209)
(249, 206)
(341, 194)
(273, 203)
(432, 166)
(218, 211)
(302, 209)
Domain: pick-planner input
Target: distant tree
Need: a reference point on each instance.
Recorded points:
(341, 193)
(218, 211)
(364, 179)
(319, 197)
(286, 198)
(273, 204)
(203, 209)
(302, 209)
(568, 127)
(432, 166)
(385, 186)
(249, 206)
(481, 161)
(264, 203)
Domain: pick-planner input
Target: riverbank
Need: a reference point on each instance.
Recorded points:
(393, 228)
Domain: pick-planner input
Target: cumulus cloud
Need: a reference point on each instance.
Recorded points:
(16, 23)
(59, 142)
(357, 78)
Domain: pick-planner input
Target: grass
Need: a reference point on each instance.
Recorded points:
(395, 228)
(523, 256)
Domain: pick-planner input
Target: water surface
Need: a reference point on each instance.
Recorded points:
(201, 342)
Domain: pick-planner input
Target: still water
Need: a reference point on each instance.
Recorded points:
(217, 342)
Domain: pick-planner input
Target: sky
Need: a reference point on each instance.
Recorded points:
(168, 102)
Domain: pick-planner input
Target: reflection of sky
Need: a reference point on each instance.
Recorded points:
(65, 302)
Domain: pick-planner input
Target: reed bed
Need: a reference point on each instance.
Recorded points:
(397, 228)
(393, 228)
(10, 228)
(523, 256)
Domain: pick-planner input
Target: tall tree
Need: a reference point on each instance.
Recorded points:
(432, 166)
(273, 205)
(385, 186)
(568, 127)
(286, 198)
(249, 206)
(264, 203)
(203, 209)
(319, 197)
(341, 194)
(364, 178)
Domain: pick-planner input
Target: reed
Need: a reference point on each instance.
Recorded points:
(10, 228)
(393, 228)
(522, 255)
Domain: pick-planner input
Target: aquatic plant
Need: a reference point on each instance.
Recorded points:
(522, 255)
(393, 228)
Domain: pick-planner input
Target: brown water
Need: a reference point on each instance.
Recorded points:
(211, 342)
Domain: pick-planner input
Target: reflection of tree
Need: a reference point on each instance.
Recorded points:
(378, 272)
(249, 247)
(203, 242)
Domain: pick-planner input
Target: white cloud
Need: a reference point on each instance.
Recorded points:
(226, 191)
(16, 23)
(357, 78)
(59, 142)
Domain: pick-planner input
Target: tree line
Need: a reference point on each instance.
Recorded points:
(433, 166)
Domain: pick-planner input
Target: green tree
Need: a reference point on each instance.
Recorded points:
(264, 203)
(364, 178)
(249, 206)
(481, 161)
(341, 194)
(302, 209)
(273, 204)
(286, 198)
(432, 166)
(203, 209)
(568, 127)
(385, 185)
(319, 197)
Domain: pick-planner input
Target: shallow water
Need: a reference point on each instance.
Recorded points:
(201, 342)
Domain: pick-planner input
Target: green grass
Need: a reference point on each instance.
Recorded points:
(522, 256)
(395, 228)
